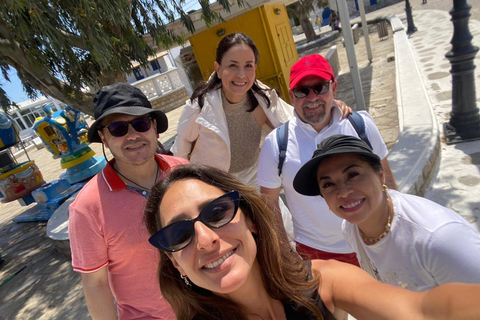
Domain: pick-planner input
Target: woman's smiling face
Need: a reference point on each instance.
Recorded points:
(237, 72)
(219, 260)
(351, 188)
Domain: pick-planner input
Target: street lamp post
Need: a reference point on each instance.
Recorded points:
(411, 26)
(464, 124)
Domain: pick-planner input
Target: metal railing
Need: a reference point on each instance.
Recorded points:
(159, 84)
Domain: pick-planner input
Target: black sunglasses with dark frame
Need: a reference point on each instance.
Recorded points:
(120, 128)
(319, 88)
(178, 235)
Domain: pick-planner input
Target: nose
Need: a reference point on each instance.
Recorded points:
(312, 95)
(240, 73)
(343, 190)
(206, 238)
(132, 133)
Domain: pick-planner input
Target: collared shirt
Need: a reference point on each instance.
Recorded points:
(107, 230)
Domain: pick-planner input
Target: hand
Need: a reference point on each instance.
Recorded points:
(346, 110)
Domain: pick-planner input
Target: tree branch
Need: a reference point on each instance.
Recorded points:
(43, 80)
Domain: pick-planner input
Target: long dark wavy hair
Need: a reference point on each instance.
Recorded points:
(215, 82)
(285, 276)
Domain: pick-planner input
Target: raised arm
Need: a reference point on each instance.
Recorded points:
(350, 288)
(187, 131)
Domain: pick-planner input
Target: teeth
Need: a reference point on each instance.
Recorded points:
(313, 105)
(135, 146)
(239, 83)
(351, 205)
(219, 261)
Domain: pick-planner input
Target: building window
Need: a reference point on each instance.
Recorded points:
(138, 74)
(155, 65)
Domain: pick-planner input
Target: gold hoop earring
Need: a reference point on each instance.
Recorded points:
(384, 187)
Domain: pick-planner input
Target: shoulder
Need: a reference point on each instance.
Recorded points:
(170, 161)
(424, 213)
(91, 189)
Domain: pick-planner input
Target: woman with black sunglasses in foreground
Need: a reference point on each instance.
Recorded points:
(223, 257)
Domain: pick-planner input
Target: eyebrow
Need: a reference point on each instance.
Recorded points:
(235, 61)
(185, 216)
(343, 171)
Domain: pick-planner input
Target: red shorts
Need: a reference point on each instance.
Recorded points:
(309, 253)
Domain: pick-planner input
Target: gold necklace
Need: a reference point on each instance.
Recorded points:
(388, 227)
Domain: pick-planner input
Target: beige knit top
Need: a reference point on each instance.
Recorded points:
(245, 134)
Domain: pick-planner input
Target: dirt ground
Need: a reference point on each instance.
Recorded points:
(37, 282)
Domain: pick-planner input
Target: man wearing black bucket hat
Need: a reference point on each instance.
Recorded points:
(107, 235)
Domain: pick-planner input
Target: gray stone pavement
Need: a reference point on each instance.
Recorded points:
(48, 289)
(456, 179)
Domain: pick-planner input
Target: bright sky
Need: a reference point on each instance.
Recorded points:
(14, 89)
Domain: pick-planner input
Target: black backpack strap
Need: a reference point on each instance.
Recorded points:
(358, 124)
(282, 140)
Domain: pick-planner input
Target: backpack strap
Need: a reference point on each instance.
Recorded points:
(358, 124)
(282, 140)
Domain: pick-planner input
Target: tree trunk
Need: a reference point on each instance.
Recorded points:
(307, 28)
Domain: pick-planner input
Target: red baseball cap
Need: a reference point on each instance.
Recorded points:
(313, 64)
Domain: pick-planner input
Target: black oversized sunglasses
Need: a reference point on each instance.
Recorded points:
(178, 235)
(120, 128)
(319, 88)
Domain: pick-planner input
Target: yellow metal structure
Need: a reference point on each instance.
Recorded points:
(269, 27)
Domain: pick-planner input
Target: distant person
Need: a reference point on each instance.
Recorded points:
(223, 257)
(107, 236)
(335, 21)
(326, 16)
(400, 239)
(313, 88)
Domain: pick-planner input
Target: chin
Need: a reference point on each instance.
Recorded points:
(230, 283)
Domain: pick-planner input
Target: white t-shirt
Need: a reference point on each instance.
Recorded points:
(428, 245)
(314, 225)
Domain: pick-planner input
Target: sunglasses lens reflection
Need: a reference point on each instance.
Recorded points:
(302, 92)
(120, 128)
(216, 214)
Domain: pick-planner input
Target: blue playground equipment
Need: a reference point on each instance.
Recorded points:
(64, 134)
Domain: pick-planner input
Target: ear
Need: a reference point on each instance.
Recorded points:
(251, 226)
(154, 123)
(102, 137)
(334, 88)
(175, 263)
(290, 93)
(217, 66)
(381, 174)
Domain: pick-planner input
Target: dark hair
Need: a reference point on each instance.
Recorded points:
(215, 82)
(284, 274)
(374, 164)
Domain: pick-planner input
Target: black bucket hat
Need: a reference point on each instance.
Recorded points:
(305, 181)
(123, 98)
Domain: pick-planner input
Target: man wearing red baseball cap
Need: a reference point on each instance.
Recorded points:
(312, 91)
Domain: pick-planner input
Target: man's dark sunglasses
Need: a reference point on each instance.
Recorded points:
(319, 88)
(178, 235)
(120, 128)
